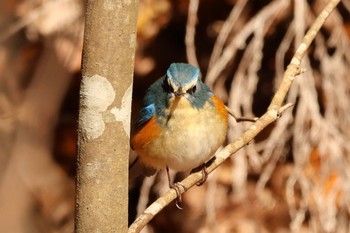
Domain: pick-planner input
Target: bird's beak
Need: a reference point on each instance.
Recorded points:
(180, 92)
(177, 99)
(173, 106)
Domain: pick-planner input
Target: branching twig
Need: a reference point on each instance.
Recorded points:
(44, 14)
(294, 66)
(273, 113)
(238, 118)
(239, 41)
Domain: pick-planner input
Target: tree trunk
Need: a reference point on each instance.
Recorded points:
(104, 117)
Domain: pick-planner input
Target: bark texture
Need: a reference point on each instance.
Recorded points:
(104, 116)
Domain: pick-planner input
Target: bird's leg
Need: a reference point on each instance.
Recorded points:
(176, 188)
(204, 170)
(205, 173)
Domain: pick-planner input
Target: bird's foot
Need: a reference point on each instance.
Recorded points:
(204, 176)
(205, 173)
(177, 187)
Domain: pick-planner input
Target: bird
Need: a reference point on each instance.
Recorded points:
(181, 123)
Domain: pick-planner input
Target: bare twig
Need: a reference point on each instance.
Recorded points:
(46, 18)
(282, 50)
(225, 31)
(239, 41)
(190, 33)
(144, 193)
(32, 16)
(238, 118)
(294, 66)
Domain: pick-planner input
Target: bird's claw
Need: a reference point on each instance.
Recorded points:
(176, 187)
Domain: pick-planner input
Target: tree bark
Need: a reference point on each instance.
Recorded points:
(104, 116)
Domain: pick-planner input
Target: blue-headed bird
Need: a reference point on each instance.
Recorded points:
(181, 124)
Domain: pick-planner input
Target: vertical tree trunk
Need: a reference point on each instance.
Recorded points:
(104, 117)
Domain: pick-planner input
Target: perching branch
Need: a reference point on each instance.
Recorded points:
(274, 111)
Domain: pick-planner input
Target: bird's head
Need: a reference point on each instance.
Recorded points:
(182, 78)
(183, 81)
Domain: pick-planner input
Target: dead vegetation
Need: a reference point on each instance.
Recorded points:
(294, 177)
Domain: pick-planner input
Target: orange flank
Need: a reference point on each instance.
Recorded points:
(220, 108)
(145, 135)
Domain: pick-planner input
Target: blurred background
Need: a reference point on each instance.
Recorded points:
(294, 177)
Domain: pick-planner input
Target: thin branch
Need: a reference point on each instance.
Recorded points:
(293, 68)
(273, 113)
(238, 118)
(32, 16)
(238, 42)
(144, 193)
(26, 20)
(191, 32)
(225, 31)
(282, 50)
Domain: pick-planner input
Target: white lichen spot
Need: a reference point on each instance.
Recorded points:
(253, 127)
(324, 14)
(97, 95)
(295, 61)
(123, 113)
(92, 123)
(301, 48)
(273, 113)
(153, 209)
(91, 169)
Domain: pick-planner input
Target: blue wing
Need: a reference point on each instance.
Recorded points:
(154, 103)
(146, 113)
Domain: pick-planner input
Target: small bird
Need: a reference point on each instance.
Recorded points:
(181, 124)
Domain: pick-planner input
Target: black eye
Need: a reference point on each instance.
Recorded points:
(167, 87)
(192, 90)
(170, 88)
